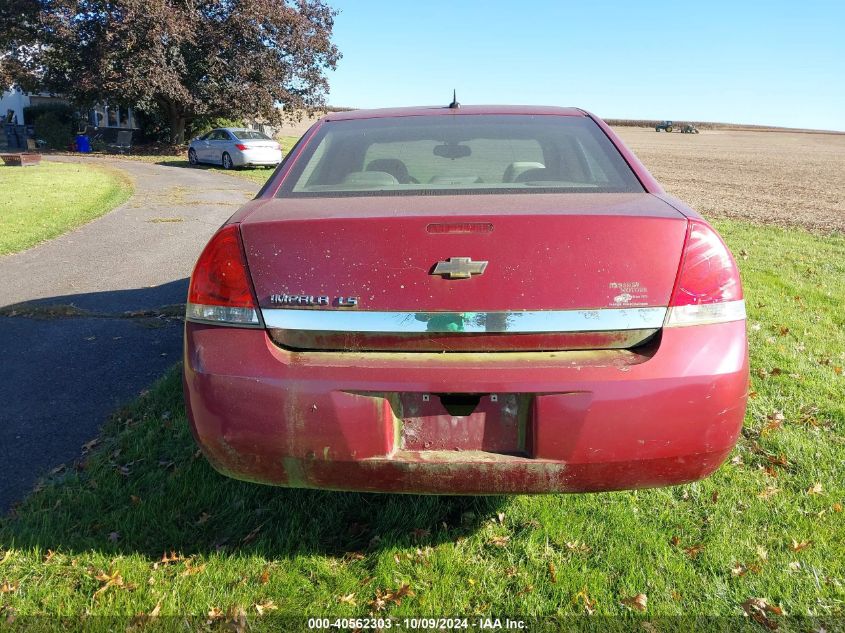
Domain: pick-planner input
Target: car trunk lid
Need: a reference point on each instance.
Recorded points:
(572, 271)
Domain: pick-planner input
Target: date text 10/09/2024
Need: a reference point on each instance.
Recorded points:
(478, 623)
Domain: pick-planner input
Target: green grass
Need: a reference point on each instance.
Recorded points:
(698, 549)
(255, 174)
(48, 199)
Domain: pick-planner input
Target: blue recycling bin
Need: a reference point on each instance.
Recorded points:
(83, 145)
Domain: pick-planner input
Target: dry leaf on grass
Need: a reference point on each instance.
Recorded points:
(382, 598)
(552, 572)
(694, 550)
(797, 546)
(768, 491)
(815, 489)
(348, 599)
(584, 597)
(263, 607)
(758, 609)
(499, 541)
(578, 546)
(638, 602)
(110, 580)
(264, 578)
(9, 587)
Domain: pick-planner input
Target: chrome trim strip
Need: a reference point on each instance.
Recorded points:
(603, 320)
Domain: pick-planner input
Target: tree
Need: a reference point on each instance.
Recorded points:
(185, 58)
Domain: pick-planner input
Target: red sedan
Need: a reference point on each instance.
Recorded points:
(465, 300)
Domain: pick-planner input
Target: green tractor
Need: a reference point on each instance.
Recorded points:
(665, 125)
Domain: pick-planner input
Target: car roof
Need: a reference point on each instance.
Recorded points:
(383, 113)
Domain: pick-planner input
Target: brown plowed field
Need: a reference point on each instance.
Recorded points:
(785, 178)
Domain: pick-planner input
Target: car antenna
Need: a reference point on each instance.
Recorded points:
(454, 105)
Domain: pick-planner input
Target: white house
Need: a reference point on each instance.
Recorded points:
(101, 115)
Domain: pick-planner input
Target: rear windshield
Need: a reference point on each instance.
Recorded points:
(424, 155)
(250, 135)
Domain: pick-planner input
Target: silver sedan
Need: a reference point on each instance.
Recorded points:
(234, 147)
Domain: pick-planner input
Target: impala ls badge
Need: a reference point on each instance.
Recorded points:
(459, 268)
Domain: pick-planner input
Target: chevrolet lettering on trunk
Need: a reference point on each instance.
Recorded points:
(474, 300)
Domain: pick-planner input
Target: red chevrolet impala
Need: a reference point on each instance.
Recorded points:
(465, 300)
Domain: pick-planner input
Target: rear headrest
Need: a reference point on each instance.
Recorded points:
(392, 166)
(369, 178)
(514, 170)
(534, 174)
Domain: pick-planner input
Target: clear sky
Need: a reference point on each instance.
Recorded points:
(770, 63)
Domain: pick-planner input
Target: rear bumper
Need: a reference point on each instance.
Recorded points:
(590, 421)
(257, 157)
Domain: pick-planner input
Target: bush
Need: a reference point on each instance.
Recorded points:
(200, 126)
(54, 123)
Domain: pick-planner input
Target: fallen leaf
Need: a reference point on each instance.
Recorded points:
(797, 546)
(675, 540)
(694, 550)
(172, 558)
(379, 603)
(525, 590)
(419, 534)
(191, 570)
(267, 605)
(762, 554)
(500, 541)
(9, 587)
(758, 608)
(264, 578)
(501, 517)
(837, 507)
(768, 491)
(815, 489)
(134, 499)
(794, 565)
(354, 556)
(578, 546)
(204, 517)
(638, 602)
(156, 610)
(109, 580)
(583, 596)
(214, 614)
(348, 599)
(510, 572)
(552, 572)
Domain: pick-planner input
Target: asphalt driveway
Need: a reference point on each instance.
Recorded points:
(87, 319)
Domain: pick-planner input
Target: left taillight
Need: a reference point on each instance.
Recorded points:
(220, 291)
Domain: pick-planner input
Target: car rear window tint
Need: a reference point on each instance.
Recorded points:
(423, 155)
(250, 135)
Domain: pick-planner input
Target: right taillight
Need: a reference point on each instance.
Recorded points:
(708, 288)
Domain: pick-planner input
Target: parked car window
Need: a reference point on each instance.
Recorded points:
(460, 154)
(251, 135)
(219, 135)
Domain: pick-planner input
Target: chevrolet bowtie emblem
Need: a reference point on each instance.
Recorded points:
(459, 268)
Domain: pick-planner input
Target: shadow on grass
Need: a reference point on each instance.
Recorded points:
(144, 488)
